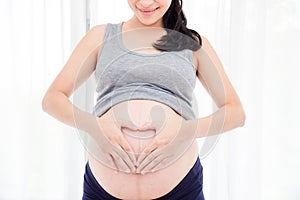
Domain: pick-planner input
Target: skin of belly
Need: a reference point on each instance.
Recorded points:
(150, 185)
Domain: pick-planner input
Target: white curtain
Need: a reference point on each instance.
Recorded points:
(258, 44)
(40, 157)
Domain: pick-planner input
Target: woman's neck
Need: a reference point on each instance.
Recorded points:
(135, 23)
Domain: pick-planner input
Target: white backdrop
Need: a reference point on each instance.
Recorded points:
(258, 44)
(40, 157)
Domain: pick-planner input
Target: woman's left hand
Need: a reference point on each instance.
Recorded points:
(171, 141)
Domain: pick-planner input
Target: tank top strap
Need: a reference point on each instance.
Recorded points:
(111, 30)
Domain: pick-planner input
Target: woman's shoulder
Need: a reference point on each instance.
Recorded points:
(205, 45)
(205, 42)
(96, 30)
(94, 36)
(206, 49)
(100, 28)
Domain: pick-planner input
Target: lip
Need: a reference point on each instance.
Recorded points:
(147, 11)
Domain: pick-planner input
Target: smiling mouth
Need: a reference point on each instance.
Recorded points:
(148, 12)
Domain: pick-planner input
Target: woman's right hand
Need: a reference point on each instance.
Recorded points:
(112, 147)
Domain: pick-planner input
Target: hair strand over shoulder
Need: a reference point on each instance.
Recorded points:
(178, 36)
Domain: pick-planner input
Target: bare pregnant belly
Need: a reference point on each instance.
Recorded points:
(151, 185)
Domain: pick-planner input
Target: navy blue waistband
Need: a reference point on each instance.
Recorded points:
(190, 187)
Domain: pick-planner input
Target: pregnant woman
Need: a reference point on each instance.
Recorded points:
(143, 127)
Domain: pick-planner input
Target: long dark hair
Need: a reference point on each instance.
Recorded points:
(175, 22)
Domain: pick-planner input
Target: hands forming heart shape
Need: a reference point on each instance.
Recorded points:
(168, 136)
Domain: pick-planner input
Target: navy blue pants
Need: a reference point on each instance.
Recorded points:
(190, 188)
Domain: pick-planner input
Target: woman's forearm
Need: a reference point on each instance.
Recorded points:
(60, 107)
(224, 119)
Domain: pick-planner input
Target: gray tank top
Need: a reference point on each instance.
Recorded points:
(121, 74)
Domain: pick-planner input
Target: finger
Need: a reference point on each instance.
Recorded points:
(150, 148)
(163, 164)
(112, 161)
(158, 160)
(119, 162)
(127, 149)
(148, 159)
(157, 143)
(124, 144)
(103, 156)
(127, 158)
(120, 139)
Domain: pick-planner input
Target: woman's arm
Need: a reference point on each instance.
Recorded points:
(104, 131)
(77, 69)
(213, 77)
